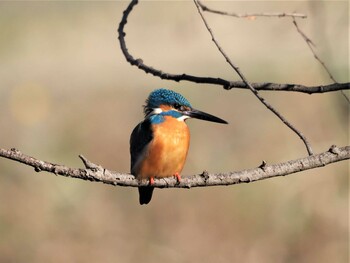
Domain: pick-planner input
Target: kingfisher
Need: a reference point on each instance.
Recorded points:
(159, 144)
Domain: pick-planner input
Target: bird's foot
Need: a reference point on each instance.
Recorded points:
(178, 177)
(151, 181)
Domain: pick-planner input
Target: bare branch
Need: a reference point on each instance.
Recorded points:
(250, 15)
(290, 87)
(300, 135)
(311, 46)
(345, 96)
(227, 84)
(97, 173)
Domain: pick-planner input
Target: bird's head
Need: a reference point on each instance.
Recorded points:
(164, 102)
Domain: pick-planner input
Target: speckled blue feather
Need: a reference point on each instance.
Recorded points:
(165, 97)
(159, 118)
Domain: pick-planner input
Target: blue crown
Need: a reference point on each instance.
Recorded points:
(165, 97)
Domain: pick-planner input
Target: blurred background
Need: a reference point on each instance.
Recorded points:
(66, 89)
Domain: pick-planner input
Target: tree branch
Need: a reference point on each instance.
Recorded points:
(227, 84)
(97, 173)
(255, 92)
(311, 46)
(250, 15)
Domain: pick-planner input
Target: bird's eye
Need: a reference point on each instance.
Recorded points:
(178, 106)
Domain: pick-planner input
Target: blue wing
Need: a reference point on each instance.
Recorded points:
(140, 137)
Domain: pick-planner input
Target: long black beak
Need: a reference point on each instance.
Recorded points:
(193, 113)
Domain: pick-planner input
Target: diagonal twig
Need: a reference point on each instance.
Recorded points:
(227, 84)
(255, 92)
(311, 46)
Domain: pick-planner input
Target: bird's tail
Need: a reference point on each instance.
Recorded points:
(145, 193)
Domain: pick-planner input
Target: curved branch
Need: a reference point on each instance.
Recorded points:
(227, 84)
(97, 173)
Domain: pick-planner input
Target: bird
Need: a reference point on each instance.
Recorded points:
(159, 144)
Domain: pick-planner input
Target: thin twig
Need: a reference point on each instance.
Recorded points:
(97, 173)
(345, 96)
(250, 15)
(215, 81)
(311, 46)
(255, 92)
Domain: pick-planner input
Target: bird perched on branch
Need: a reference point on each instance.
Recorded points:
(159, 144)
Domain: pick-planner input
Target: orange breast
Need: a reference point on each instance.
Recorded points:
(166, 153)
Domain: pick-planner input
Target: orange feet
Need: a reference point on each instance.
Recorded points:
(151, 181)
(178, 177)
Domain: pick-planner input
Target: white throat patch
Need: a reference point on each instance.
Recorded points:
(182, 118)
